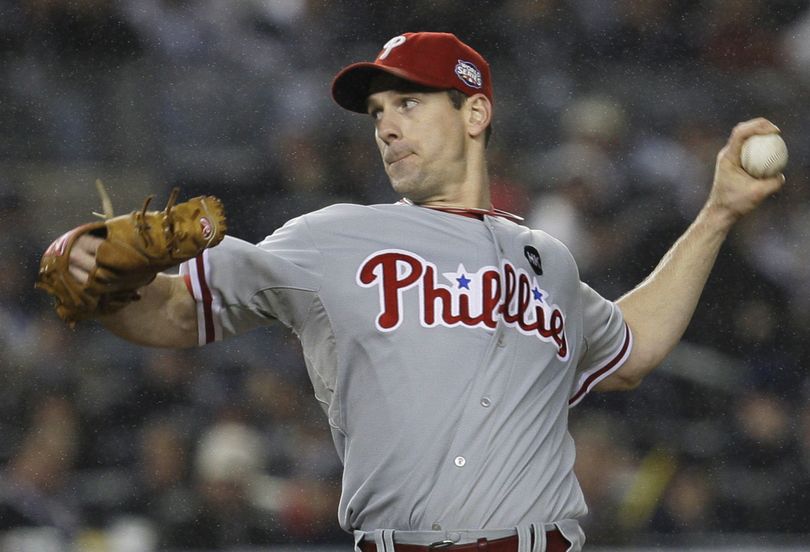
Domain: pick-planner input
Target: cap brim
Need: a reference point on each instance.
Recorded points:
(350, 88)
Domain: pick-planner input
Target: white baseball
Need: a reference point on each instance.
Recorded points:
(764, 155)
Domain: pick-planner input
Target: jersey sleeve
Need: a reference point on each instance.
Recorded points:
(608, 342)
(239, 286)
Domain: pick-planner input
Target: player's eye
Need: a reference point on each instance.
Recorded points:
(408, 103)
(375, 113)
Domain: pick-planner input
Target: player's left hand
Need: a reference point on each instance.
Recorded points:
(98, 268)
(736, 193)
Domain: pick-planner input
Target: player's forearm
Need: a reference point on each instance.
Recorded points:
(165, 316)
(659, 310)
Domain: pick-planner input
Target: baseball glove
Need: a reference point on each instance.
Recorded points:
(135, 248)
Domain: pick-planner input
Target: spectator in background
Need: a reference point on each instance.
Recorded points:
(798, 498)
(761, 466)
(689, 505)
(162, 491)
(35, 487)
(227, 467)
(605, 464)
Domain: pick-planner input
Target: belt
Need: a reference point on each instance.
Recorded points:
(555, 542)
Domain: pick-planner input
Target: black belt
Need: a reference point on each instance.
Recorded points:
(554, 539)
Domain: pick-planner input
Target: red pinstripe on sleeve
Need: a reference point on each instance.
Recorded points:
(588, 379)
(205, 291)
(195, 272)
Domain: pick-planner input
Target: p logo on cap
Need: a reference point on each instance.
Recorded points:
(434, 60)
(390, 45)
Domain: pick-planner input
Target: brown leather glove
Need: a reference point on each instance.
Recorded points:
(135, 248)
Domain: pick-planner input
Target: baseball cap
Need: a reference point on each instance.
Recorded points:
(436, 60)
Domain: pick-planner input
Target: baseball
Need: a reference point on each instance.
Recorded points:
(764, 155)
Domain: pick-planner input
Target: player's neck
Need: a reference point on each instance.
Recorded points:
(470, 198)
(467, 199)
(470, 191)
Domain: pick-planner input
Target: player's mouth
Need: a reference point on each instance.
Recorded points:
(397, 160)
(395, 156)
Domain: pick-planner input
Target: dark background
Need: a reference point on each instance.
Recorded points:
(608, 117)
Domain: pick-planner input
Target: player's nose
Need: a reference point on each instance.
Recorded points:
(388, 126)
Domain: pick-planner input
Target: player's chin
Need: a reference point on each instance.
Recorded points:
(403, 174)
(404, 184)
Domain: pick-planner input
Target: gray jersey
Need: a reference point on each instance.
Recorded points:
(445, 350)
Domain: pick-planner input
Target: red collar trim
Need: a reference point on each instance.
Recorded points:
(470, 212)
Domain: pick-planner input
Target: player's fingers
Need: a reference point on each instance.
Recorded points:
(88, 243)
(762, 188)
(79, 274)
(772, 185)
(742, 132)
(83, 253)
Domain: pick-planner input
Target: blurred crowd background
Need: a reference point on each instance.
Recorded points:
(608, 117)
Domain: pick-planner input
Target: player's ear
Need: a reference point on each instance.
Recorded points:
(478, 114)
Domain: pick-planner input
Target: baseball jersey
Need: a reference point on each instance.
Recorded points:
(445, 351)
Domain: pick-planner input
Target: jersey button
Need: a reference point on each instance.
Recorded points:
(486, 402)
(460, 461)
(500, 341)
(436, 527)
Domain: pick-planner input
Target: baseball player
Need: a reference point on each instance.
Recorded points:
(445, 341)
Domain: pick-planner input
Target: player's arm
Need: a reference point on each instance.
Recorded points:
(165, 315)
(660, 308)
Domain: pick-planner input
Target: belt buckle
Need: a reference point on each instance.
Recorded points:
(441, 544)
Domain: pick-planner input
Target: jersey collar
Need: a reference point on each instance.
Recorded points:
(471, 212)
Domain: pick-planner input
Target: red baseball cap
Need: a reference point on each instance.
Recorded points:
(437, 60)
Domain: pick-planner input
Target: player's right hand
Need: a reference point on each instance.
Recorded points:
(736, 193)
(83, 257)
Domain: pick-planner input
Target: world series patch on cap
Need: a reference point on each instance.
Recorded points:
(436, 60)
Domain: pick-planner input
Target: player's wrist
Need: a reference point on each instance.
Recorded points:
(718, 217)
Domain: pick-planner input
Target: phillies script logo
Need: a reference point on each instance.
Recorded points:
(474, 299)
